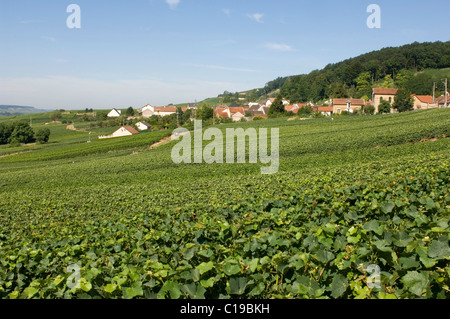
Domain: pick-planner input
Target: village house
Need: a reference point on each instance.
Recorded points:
(143, 126)
(114, 113)
(292, 108)
(383, 94)
(324, 110)
(440, 101)
(165, 110)
(123, 131)
(236, 113)
(349, 105)
(423, 102)
(269, 102)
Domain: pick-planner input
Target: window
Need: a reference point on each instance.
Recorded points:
(381, 99)
(339, 111)
(390, 100)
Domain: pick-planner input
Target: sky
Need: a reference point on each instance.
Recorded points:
(133, 53)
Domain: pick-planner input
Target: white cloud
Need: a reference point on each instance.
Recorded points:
(173, 3)
(256, 17)
(278, 46)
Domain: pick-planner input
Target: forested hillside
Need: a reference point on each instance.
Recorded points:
(406, 66)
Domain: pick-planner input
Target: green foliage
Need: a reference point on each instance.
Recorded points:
(403, 100)
(369, 109)
(43, 135)
(350, 193)
(389, 66)
(277, 107)
(5, 132)
(384, 107)
(22, 133)
(204, 112)
(129, 111)
(56, 115)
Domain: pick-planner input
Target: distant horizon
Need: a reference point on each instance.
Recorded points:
(175, 51)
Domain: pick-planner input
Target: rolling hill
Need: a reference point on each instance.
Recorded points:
(11, 110)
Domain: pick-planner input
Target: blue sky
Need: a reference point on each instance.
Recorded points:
(130, 53)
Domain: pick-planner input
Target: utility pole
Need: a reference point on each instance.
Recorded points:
(446, 93)
(434, 88)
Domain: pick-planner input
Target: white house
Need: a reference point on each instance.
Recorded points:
(165, 111)
(147, 107)
(271, 100)
(123, 131)
(114, 113)
(236, 117)
(143, 126)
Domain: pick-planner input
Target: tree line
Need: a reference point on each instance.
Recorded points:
(18, 132)
(389, 67)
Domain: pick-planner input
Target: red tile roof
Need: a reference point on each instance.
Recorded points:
(424, 98)
(325, 109)
(237, 109)
(169, 109)
(344, 101)
(384, 91)
(131, 130)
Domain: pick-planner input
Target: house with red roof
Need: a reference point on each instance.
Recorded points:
(123, 131)
(324, 110)
(349, 105)
(423, 102)
(383, 94)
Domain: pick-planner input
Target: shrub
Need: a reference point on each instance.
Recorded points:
(43, 135)
(370, 109)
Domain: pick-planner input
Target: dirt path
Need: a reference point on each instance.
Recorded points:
(165, 140)
(12, 154)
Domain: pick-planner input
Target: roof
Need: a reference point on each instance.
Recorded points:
(236, 110)
(291, 107)
(222, 113)
(441, 99)
(384, 91)
(325, 109)
(168, 109)
(118, 111)
(424, 98)
(131, 129)
(352, 101)
(145, 123)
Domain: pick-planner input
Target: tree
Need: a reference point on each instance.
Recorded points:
(388, 82)
(55, 115)
(43, 135)
(22, 133)
(277, 107)
(363, 84)
(369, 109)
(5, 132)
(403, 77)
(384, 107)
(403, 100)
(129, 111)
(204, 112)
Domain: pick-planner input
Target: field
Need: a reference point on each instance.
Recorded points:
(352, 194)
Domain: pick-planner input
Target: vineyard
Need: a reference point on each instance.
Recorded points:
(350, 193)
